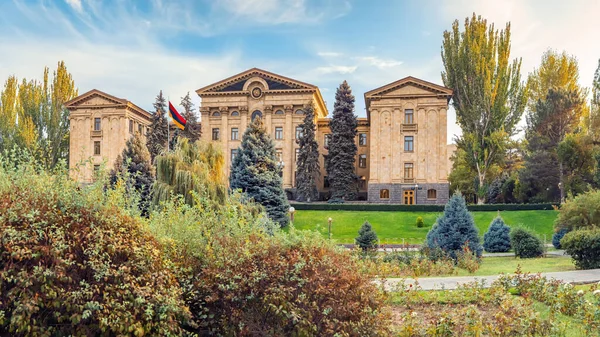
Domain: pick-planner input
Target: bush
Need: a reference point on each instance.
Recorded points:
(556, 237)
(583, 211)
(526, 244)
(584, 247)
(74, 262)
(367, 238)
(497, 238)
(420, 223)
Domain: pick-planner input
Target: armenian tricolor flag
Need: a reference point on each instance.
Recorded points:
(177, 118)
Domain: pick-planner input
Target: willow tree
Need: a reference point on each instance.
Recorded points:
(489, 96)
(192, 170)
(308, 159)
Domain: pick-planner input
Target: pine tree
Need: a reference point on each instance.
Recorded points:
(134, 166)
(497, 237)
(454, 229)
(255, 171)
(308, 159)
(157, 137)
(342, 146)
(192, 128)
(367, 238)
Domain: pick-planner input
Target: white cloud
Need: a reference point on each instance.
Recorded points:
(329, 54)
(75, 4)
(379, 62)
(337, 69)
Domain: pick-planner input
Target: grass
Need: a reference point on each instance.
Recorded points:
(508, 265)
(393, 227)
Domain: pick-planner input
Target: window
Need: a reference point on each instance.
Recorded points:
(97, 124)
(235, 114)
(279, 112)
(279, 132)
(431, 194)
(298, 132)
(255, 114)
(96, 172)
(297, 153)
(233, 154)
(279, 155)
(325, 182)
(96, 148)
(215, 134)
(131, 126)
(408, 143)
(140, 129)
(362, 139)
(362, 160)
(327, 139)
(300, 112)
(409, 116)
(216, 114)
(384, 194)
(234, 133)
(362, 183)
(408, 170)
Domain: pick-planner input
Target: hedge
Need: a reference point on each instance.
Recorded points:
(415, 208)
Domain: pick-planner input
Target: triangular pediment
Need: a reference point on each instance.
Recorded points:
(410, 86)
(237, 82)
(94, 98)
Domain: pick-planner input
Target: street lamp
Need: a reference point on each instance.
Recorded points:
(416, 192)
(292, 210)
(281, 165)
(329, 221)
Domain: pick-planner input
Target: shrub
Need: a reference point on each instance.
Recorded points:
(467, 260)
(74, 262)
(367, 238)
(584, 247)
(557, 236)
(579, 212)
(526, 244)
(497, 238)
(420, 222)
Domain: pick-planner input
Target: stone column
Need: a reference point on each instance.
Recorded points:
(288, 149)
(243, 120)
(205, 131)
(224, 134)
(267, 112)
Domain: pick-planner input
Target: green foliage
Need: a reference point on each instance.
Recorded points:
(497, 238)
(256, 172)
(455, 229)
(575, 153)
(342, 147)
(557, 236)
(525, 243)
(420, 223)
(307, 171)
(157, 137)
(74, 261)
(584, 247)
(367, 238)
(192, 127)
(489, 98)
(582, 211)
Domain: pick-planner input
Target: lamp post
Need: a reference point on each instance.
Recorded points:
(416, 192)
(329, 221)
(562, 193)
(292, 210)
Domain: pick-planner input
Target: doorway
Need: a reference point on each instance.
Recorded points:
(409, 197)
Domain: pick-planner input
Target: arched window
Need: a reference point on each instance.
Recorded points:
(384, 194)
(300, 112)
(216, 114)
(279, 112)
(256, 113)
(235, 113)
(431, 194)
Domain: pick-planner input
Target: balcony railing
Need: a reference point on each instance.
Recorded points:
(96, 133)
(409, 128)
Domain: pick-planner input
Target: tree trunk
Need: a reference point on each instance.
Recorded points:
(561, 185)
(481, 176)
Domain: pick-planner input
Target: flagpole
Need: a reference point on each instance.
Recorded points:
(168, 127)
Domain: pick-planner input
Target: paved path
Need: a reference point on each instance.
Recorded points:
(439, 283)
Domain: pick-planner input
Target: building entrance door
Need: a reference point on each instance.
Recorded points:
(409, 197)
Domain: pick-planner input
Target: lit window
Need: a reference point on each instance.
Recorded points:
(362, 139)
(279, 132)
(431, 194)
(408, 116)
(298, 132)
(234, 133)
(97, 148)
(384, 194)
(97, 124)
(233, 154)
(408, 170)
(362, 160)
(408, 143)
(215, 134)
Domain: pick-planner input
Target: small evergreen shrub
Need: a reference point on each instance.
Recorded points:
(526, 244)
(557, 236)
(367, 238)
(584, 247)
(420, 223)
(497, 238)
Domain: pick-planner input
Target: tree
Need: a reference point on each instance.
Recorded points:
(134, 166)
(255, 171)
(526, 244)
(497, 238)
(192, 128)
(308, 159)
(342, 146)
(489, 96)
(157, 137)
(367, 238)
(455, 229)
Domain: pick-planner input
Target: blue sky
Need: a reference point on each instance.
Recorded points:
(133, 49)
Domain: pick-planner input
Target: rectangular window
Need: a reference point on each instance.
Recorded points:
(279, 132)
(362, 183)
(362, 160)
(96, 148)
(233, 154)
(327, 139)
(409, 116)
(131, 126)
(140, 129)
(96, 171)
(97, 124)
(408, 170)
(298, 132)
(215, 134)
(362, 139)
(297, 153)
(408, 143)
(234, 134)
(279, 156)
(325, 182)
(431, 194)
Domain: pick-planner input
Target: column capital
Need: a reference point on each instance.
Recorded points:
(243, 108)
(204, 109)
(288, 108)
(224, 109)
(268, 109)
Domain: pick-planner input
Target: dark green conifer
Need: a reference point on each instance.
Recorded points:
(158, 137)
(367, 238)
(308, 159)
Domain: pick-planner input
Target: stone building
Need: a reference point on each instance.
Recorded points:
(100, 125)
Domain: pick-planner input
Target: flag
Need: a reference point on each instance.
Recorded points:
(179, 121)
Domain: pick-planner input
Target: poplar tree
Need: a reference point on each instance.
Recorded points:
(308, 159)
(158, 135)
(192, 129)
(489, 96)
(342, 147)
(256, 172)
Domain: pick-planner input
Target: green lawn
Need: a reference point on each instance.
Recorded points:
(508, 265)
(392, 227)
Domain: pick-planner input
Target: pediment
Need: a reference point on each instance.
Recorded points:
(410, 86)
(94, 98)
(237, 82)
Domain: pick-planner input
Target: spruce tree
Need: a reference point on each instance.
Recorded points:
(342, 146)
(255, 171)
(454, 229)
(308, 159)
(367, 238)
(134, 166)
(192, 128)
(157, 137)
(497, 237)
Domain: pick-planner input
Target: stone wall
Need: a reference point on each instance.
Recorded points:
(396, 193)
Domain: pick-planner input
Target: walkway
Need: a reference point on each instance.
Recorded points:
(447, 283)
